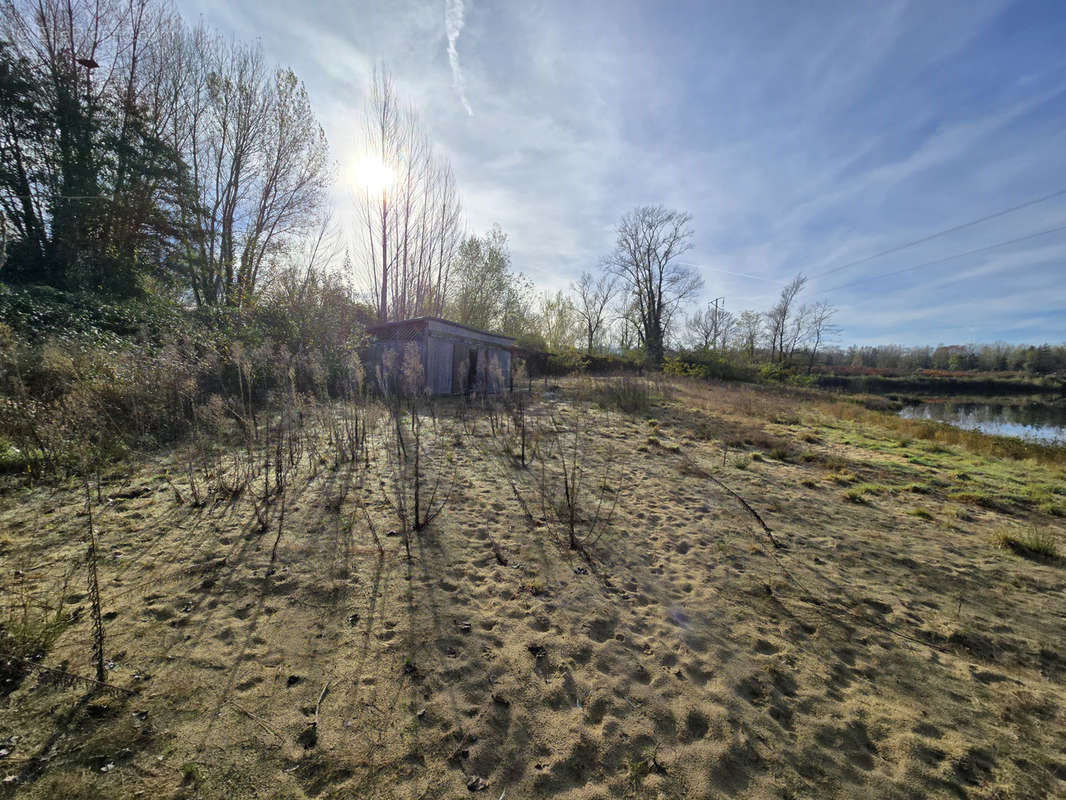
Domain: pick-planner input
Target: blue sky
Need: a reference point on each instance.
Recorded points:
(800, 136)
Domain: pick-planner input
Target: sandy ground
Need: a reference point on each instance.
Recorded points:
(887, 648)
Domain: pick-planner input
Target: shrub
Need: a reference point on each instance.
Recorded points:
(774, 372)
(674, 366)
(566, 362)
(83, 380)
(855, 495)
(74, 406)
(316, 318)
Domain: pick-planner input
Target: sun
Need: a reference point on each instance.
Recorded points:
(373, 174)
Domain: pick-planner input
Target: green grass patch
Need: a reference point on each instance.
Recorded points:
(982, 499)
(858, 494)
(920, 513)
(1032, 543)
(876, 489)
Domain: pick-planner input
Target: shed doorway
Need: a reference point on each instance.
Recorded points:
(471, 374)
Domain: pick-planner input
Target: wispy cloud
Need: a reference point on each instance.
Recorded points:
(454, 12)
(800, 140)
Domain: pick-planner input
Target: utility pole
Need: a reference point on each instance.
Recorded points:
(717, 318)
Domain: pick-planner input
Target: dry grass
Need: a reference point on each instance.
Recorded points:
(1032, 543)
(876, 653)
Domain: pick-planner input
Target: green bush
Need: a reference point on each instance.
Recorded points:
(567, 362)
(37, 313)
(710, 365)
(774, 372)
(675, 366)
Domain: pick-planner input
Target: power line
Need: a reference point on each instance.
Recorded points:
(906, 245)
(944, 232)
(726, 271)
(949, 258)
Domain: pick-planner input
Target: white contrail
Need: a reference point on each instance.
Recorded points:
(453, 24)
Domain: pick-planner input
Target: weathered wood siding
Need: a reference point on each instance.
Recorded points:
(439, 366)
(451, 358)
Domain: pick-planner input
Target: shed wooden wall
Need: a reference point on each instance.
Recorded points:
(439, 366)
(447, 363)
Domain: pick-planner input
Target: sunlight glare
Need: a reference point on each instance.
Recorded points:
(373, 174)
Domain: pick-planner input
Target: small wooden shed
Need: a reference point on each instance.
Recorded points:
(455, 359)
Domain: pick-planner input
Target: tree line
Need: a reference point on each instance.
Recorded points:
(138, 151)
(996, 357)
(634, 301)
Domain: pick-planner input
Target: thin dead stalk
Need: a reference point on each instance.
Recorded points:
(94, 594)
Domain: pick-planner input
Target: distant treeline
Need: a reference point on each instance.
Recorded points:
(1042, 359)
(982, 386)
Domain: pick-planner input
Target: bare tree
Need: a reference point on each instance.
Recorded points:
(727, 322)
(445, 234)
(382, 130)
(629, 333)
(709, 328)
(781, 327)
(820, 328)
(257, 166)
(749, 326)
(796, 332)
(594, 293)
(649, 240)
(412, 220)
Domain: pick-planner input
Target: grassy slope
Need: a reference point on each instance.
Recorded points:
(891, 649)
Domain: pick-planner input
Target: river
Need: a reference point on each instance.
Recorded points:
(1035, 422)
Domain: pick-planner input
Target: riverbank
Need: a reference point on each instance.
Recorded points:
(887, 633)
(1025, 419)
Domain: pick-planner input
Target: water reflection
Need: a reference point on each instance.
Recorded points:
(1035, 422)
